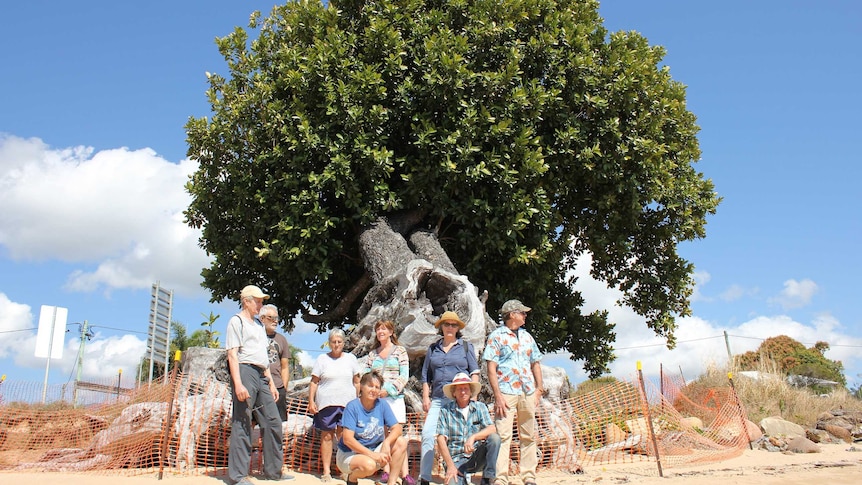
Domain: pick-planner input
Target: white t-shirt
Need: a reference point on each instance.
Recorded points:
(336, 379)
(251, 340)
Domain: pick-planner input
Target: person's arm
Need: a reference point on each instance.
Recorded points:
(349, 437)
(285, 362)
(500, 406)
(285, 371)
(312, 395)
(451, 469)
(272, 389)
(426, 386)
(356, 383)
(233, 366)
(536, 367)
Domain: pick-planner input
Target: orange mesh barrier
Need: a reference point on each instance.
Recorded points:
(182, 426)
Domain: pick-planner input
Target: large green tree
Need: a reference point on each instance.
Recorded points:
(519, 132)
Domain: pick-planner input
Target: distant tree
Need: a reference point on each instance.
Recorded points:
(208, 337)
(793, 358)
(515, 135)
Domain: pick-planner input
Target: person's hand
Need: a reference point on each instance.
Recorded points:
(539, 393)
(380, 459)
(382, 393)
(426, 404)
(241, 393)
(451, 475)
(470, 444)
(273, 390)
(500, 406)
(312, 407)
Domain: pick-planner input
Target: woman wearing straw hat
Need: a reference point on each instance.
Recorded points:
(445, 358)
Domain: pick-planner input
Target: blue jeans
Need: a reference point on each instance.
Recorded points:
(429, 438)
(483, 459)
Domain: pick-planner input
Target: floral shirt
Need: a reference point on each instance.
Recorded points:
(514, 353)
(395, 369)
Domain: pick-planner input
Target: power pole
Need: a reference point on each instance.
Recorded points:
(80, 365)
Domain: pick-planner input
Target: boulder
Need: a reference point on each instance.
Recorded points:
(776, 426)
(801, 444)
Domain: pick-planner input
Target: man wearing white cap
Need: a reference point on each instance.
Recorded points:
(515, 376)
(253, 391)
(466, 435)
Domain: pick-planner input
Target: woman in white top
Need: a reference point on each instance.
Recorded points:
(334, 383)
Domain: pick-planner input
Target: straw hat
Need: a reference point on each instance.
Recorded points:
(459, 379)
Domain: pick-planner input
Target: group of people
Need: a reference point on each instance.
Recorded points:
(359, 409)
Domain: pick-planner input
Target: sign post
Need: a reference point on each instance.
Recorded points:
(159, 341)
(49, 337)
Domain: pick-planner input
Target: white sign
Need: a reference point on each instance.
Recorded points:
(52, 331)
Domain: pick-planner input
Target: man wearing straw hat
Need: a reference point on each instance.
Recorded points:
(515, 376)
(466, 435)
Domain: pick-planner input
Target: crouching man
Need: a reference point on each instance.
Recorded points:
(466, 435)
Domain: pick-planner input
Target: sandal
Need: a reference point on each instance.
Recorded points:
(408, 480)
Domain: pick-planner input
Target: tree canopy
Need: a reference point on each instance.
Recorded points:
(793, 358)
(520, 131)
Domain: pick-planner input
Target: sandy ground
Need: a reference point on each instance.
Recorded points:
(836, 464)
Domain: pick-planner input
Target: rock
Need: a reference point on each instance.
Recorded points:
(692, 422)
(614, 434)
(800, 444)
(838, 432)
(776, 426)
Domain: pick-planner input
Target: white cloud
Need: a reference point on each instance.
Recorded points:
(796, 294)
(732, 293)
(700, 342)
(117, 213)
(701, 278)
(16, 327)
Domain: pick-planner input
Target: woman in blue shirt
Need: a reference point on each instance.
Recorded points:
(371, 435)
(445, 358)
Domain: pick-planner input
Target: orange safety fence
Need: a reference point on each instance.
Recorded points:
(182, 426)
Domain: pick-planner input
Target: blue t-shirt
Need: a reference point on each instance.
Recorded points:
(367, 426)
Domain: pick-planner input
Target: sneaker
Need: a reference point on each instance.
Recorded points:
(408, 480)
(244, 481)
(326, 478)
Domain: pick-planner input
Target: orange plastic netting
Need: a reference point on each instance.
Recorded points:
(182, 426)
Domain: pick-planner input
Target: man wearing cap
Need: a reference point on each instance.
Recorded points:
(253, 391)
(466, 435)
(515, 375)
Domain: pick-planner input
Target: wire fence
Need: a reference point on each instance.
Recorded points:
(181, 425)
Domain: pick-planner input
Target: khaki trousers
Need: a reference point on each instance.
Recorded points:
(525, 408)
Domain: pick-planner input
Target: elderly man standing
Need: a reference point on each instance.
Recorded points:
(515, 375)
(278, 354)
(466, 436)
(253, 392)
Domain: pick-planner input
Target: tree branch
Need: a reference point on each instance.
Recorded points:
(357, 290)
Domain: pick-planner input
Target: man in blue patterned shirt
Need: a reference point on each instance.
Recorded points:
(515, 376)
(466, 435)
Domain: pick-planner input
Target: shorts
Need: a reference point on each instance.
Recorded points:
(342, 458)
(399, 409)
(328, 418)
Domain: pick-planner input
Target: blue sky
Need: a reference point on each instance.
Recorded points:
(92, 165)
